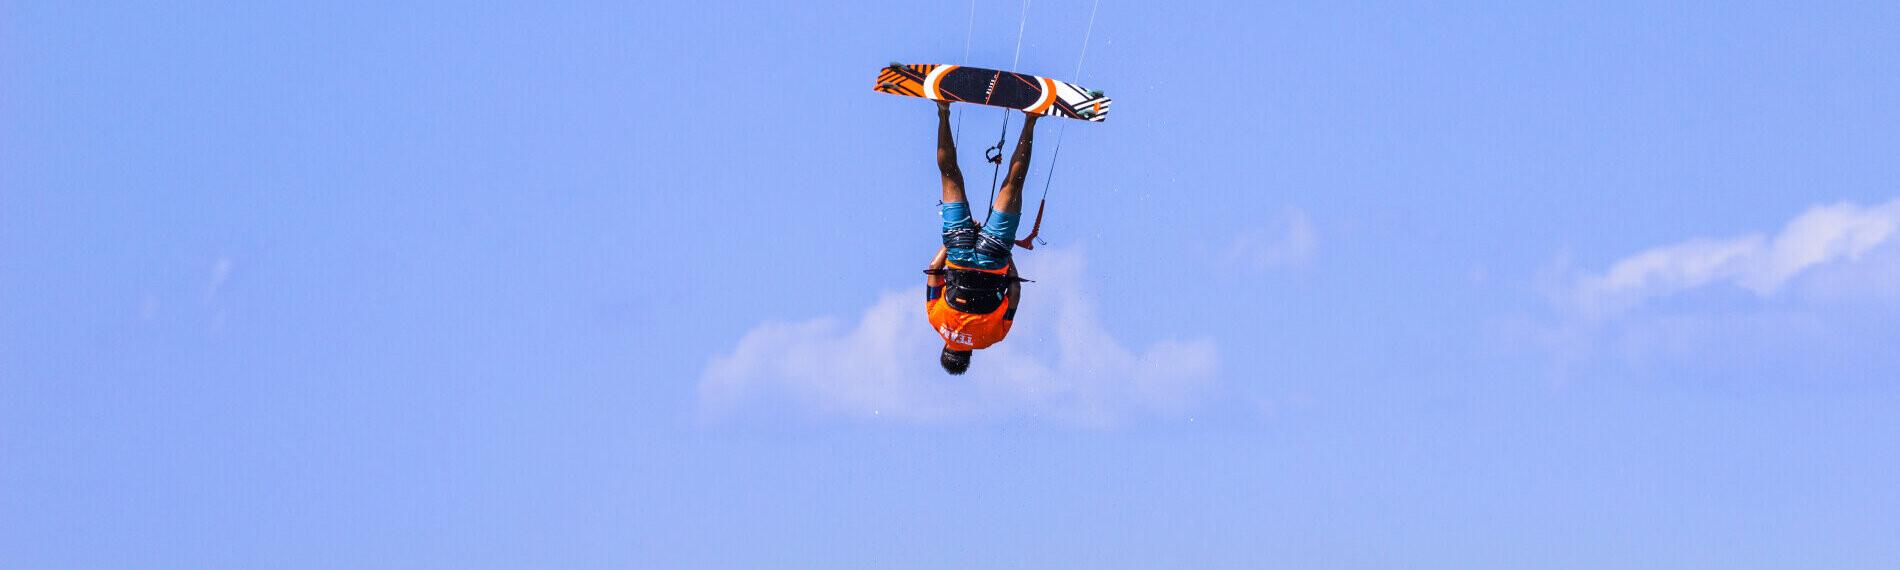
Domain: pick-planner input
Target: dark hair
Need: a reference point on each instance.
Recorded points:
(956, 362)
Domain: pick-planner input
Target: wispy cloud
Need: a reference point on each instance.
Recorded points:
(1817, 295)
(1059, 363)
(1756, 262)
(1289, 239)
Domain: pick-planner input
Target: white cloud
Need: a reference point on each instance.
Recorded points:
(1814, 300)
(1758, 263)
(1059, 363)
(1289, 240)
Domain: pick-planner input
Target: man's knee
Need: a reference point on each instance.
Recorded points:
(947, 163)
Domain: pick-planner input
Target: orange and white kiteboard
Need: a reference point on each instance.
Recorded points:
(959, 84)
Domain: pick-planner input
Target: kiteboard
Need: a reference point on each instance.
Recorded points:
(959, 84)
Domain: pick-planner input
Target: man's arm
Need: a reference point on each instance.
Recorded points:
(933, 275)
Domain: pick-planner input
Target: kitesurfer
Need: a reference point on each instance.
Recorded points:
(972, 290)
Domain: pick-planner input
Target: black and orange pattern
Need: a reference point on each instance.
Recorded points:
(1029, 93)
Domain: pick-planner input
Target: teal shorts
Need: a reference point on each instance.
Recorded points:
(982, 247)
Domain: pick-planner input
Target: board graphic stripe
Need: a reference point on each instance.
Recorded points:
(1046, 94)
(904, 72)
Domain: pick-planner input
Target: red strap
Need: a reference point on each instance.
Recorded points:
(1030, 242)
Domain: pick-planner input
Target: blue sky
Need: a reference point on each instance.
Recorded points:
(1339, 285)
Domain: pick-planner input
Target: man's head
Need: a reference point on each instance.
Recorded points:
(956, 362)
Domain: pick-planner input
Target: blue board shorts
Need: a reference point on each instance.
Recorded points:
(983, 247)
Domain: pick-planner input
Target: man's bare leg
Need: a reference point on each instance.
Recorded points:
(947, 157)
(1010, 198)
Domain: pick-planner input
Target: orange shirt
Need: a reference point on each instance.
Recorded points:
(965, 331)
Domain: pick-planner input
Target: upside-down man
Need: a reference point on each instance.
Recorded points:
(972, 290)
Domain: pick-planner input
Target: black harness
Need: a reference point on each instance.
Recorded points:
(976, 292)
